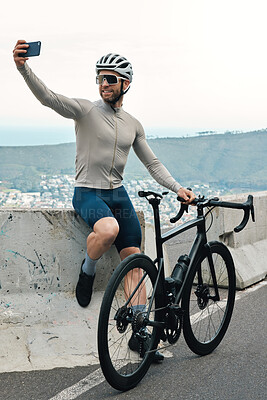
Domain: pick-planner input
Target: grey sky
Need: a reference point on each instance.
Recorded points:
(198, 64)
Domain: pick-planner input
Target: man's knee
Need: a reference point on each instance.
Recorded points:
(106, 230)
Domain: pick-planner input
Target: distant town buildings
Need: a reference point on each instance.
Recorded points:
(57, 192)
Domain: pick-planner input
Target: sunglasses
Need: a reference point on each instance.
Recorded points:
(111, 79)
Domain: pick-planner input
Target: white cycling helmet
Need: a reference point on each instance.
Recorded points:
(117, 63)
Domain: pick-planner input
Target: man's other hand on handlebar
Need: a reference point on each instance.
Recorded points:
(187, 195)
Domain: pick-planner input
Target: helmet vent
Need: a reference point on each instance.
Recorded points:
(117, 63)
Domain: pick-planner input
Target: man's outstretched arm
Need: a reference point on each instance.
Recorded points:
(65, 106)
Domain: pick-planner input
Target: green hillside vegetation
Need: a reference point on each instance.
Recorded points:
(21, 167)
(232, 160)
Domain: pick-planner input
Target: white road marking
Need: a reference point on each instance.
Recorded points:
(96, 377)
(87, 383)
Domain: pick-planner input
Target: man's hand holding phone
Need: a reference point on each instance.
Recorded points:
(24, 50)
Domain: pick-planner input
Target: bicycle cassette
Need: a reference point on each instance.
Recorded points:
(138, 321)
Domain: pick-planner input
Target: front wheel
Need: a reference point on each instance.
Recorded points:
(207, 313)
(127, 338)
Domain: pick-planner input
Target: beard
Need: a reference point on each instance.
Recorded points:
(112, 97)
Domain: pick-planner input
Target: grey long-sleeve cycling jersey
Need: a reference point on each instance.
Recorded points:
(104, 137)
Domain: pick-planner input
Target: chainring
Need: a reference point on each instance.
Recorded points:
(173, 326)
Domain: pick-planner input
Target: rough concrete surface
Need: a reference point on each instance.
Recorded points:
(42, 250)
(47, 331)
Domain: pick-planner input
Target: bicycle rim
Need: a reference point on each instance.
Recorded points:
(206, 319)
(119, 322)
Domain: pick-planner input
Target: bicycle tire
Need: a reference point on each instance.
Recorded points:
(122, 367)
(205, 320)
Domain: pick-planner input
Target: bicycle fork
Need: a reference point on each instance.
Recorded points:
(216, 297)
(202, 291)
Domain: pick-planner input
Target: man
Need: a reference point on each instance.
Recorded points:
(104, 136)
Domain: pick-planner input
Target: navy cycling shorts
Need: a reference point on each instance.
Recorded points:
(94, 204)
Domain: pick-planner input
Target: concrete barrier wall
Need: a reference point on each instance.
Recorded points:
(248, 247)
(42, 251)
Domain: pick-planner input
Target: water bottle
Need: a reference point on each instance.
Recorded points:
(179, 270)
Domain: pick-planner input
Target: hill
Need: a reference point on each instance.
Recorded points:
(232, 160)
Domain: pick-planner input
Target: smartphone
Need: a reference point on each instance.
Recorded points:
(33, 49)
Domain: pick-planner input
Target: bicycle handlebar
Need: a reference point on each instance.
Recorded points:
(201, 202)
(247, 207)
(183, 209)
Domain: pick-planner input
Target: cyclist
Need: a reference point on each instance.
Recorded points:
(104, 136)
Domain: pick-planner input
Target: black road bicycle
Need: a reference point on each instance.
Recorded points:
(197, 298)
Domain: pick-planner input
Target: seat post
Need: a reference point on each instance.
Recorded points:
(155, 204)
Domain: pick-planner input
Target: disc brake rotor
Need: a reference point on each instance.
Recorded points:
(203, 295)
(122, 317)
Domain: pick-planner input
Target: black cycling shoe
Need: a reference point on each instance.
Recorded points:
(141, 346)
(84, 288)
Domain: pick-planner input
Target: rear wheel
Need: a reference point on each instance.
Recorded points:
(124, 317)
(206, 317)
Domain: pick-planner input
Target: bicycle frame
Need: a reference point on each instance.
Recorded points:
(189, 303)
(200, 241)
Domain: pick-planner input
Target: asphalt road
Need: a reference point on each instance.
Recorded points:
(235, 370)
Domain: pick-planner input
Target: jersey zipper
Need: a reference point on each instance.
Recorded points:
(114, 152)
